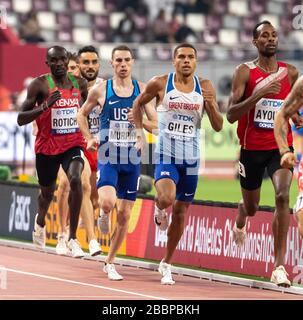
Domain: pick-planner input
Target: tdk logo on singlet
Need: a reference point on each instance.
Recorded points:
(272, 103)
(183, 117)
(65, 112)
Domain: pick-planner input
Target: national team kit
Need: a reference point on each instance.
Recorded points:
(259, 149)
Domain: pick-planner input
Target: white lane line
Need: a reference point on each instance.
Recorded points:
(82, 284)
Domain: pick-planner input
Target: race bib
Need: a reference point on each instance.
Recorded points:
(122, 133)
(265, 112)
(64, 120)
(93, 121)
(180, 127)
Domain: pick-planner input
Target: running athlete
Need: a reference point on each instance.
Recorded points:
(118, 160)
(89, 65)
(53, 101)
(292, 104)
(181, 99)
(259, 88)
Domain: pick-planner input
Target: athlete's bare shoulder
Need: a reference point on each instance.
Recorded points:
(293, 73)
(158, 81)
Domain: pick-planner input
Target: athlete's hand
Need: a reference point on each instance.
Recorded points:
(209, 97)
(130, 116)
(141, 142)
(92, 144)
(288, 160)
(272, 88)
(53, 97)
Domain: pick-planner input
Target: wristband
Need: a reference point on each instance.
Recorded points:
(288, 151)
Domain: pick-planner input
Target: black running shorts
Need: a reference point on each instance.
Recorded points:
(253, 163)
(47, 166)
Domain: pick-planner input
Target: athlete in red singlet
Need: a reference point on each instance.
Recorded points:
(258, 91)
(53, 101)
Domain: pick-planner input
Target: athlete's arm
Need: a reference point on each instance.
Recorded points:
(211, 106)
(291, 105)
(151, 123)
(36, 93)
(95, 97)
(151, 91)
(293, 75)
(83, 89)
(237, 107)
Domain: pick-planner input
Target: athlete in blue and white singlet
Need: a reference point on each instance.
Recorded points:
(181, 98)
(118, 159)
(178, 149)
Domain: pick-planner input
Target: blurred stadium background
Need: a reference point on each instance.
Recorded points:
(220, 29)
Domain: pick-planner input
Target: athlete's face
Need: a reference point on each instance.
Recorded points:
(267, 40)
(185, 61)
(73, 68)
(89, 65)
(122, 63)
(57, 60)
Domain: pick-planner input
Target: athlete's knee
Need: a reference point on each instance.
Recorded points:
(123, 218)
(75, 181)
(86, 187)
(165, 199)
(107, 205)
(63, 185)
(47, 195)
(250, 208)
(282, 198)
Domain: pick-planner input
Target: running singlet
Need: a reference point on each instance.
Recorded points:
(117, 134)
(255, 128)
(179, 118)
(58, 130)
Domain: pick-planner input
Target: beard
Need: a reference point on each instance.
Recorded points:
(90, 77)
(269, 53)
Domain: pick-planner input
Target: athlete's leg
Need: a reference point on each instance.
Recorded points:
(247, 206)
(75, 195)
(124, 208)
(62, 200)
(87, 211)
(47, 182)
(281, 180)
(94, 191)
(44, 199)
(166, 193)
(176, 228)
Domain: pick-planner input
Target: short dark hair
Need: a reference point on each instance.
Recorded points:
(88, 49)
(255, 30)
(184, 45)
(123, 47)
(73, 57)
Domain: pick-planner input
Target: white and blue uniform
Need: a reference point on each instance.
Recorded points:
(118, 160)
(178, 150)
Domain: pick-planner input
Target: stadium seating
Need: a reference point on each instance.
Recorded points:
(228, 23)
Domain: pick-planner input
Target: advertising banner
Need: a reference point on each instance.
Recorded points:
(18, 210)
(207, 241)
(16, 143)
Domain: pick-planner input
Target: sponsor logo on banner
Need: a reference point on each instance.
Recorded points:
(19, 213)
